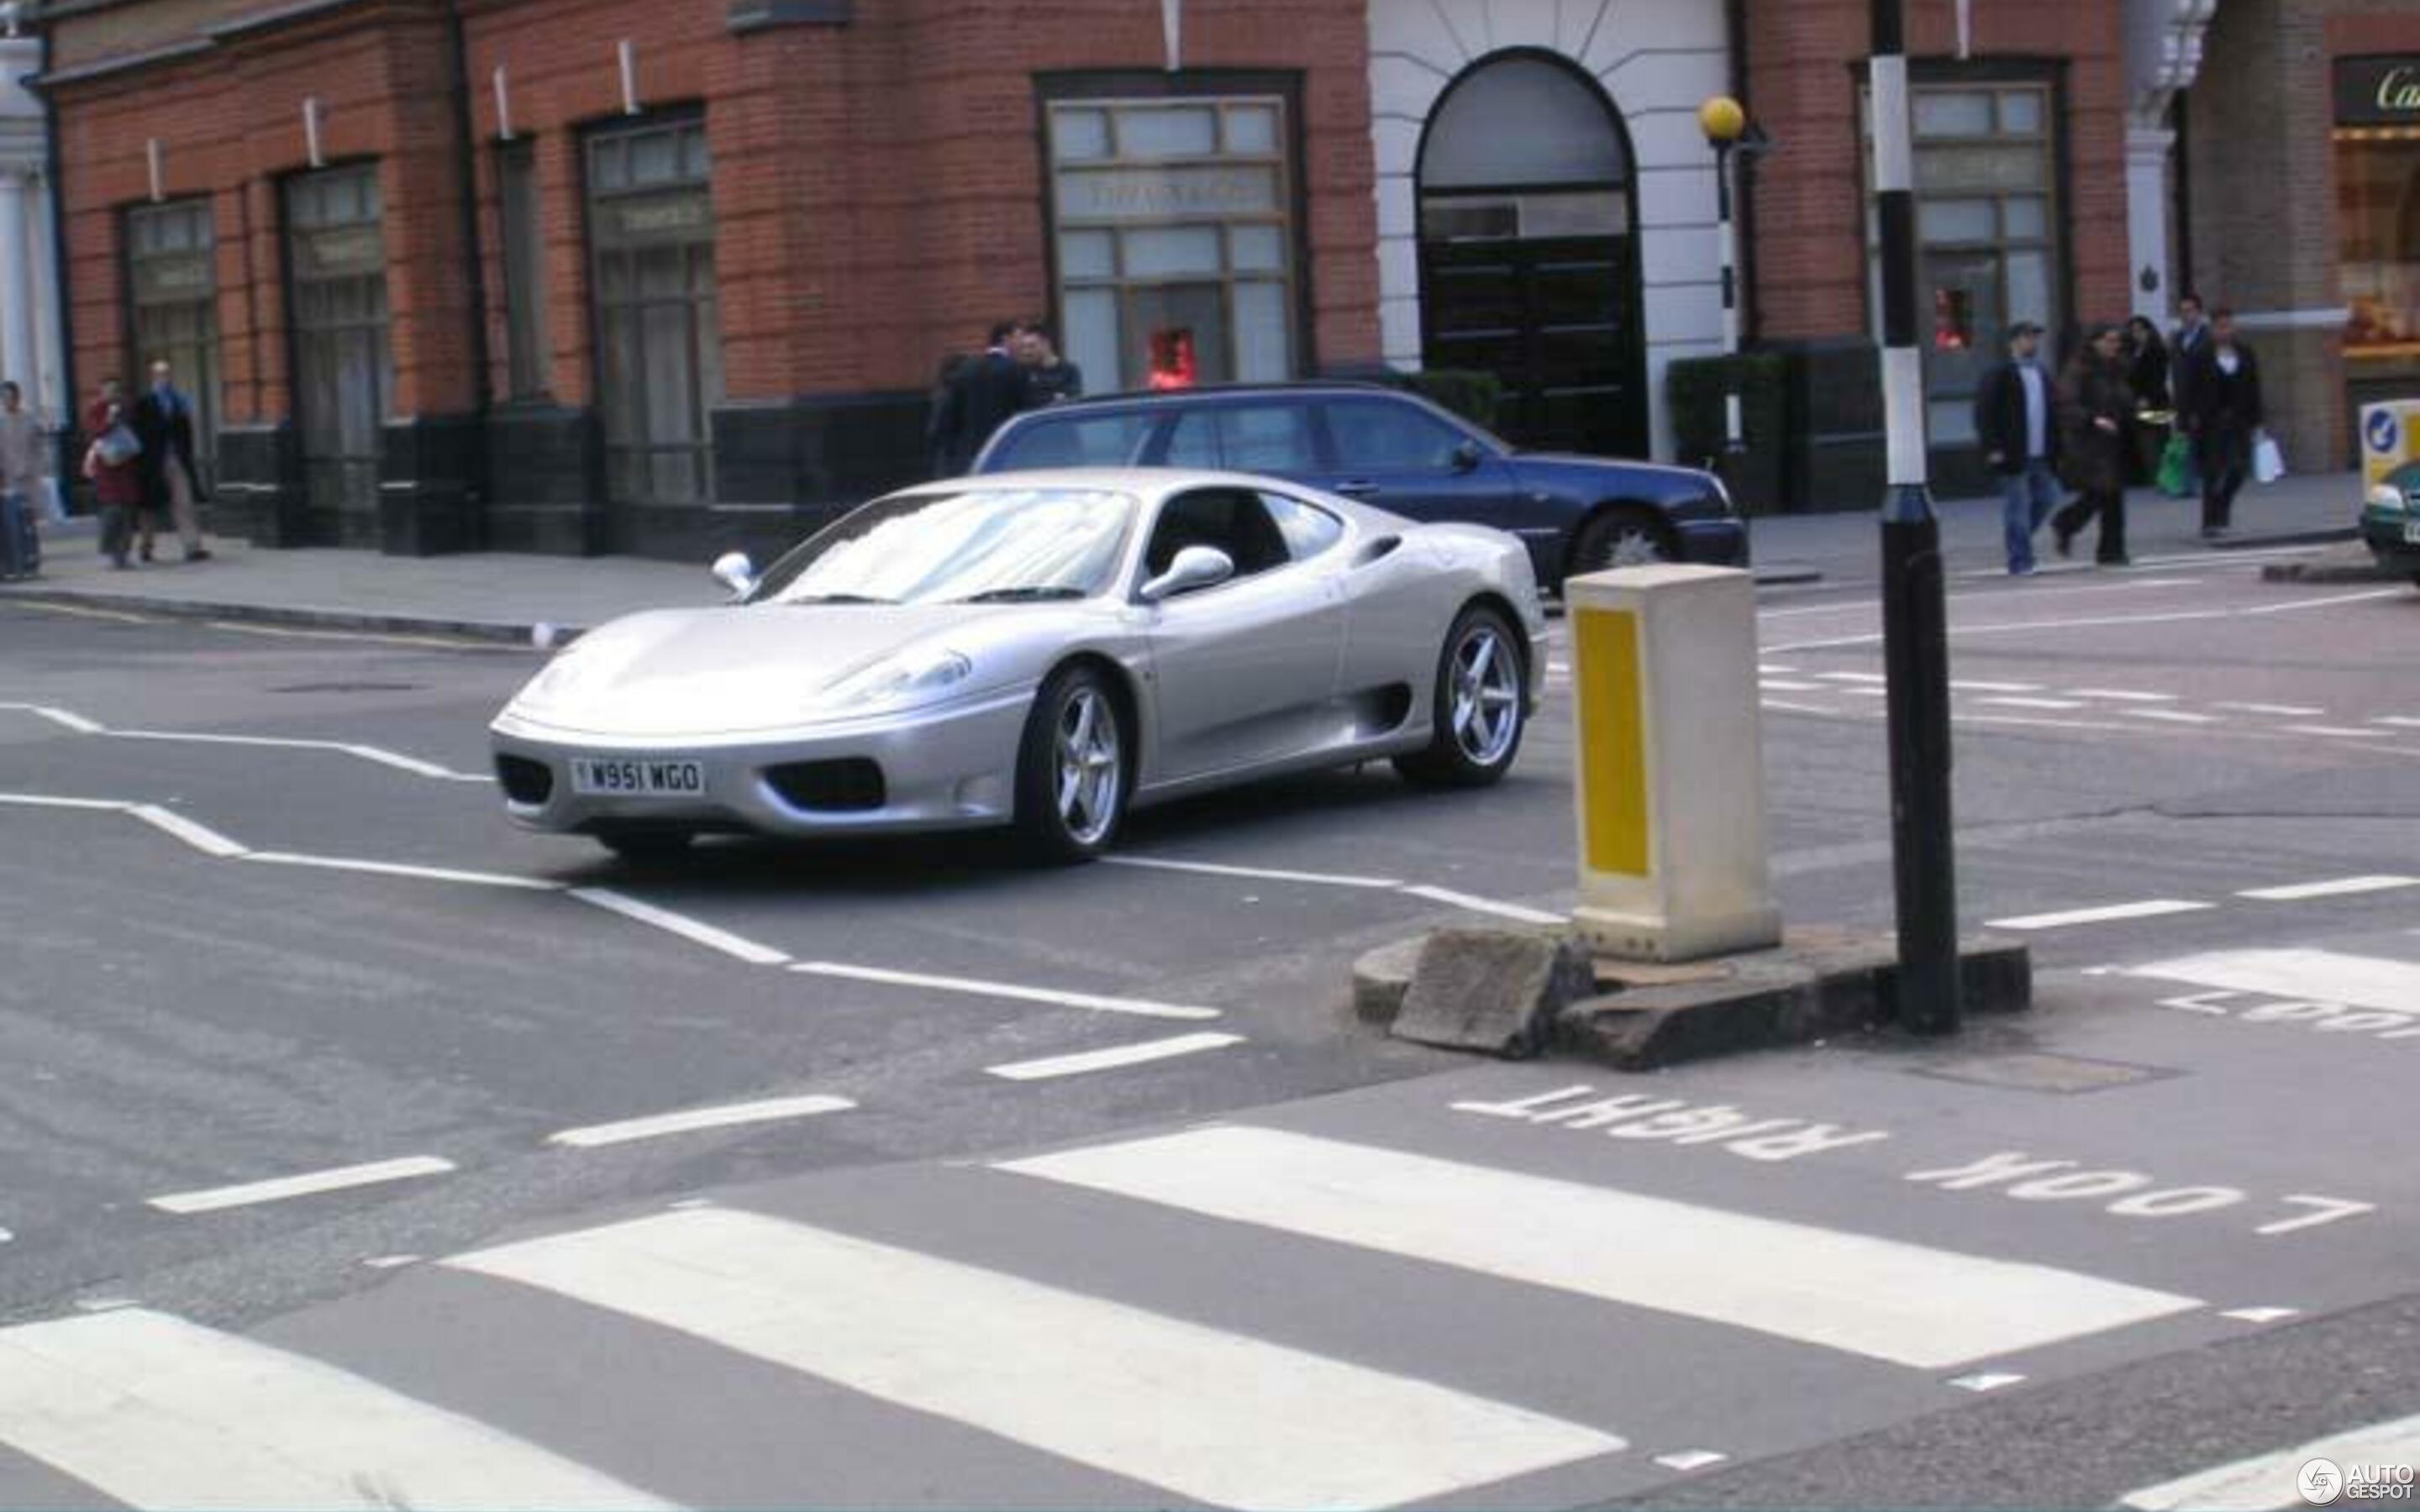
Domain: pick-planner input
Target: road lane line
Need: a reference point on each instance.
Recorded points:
(1212, 868)
(155, 1411)
(45, 800)
(1862, 692)
(1962, 716)
(2152, 908)
(1775, 685)
(2289, 711)
(2267, 1481)
(199, 836)
(972, 987)
(2339, 730)
(1484, 905)
(2339, 888)
(2170, 716)
(1691, 1459)
(1785, 706)
(2119, 695)
(309, 1183)
(2262, 1315)
(730, 1115)
(400, 869)
(1124, 1054)
(2031, 703)
(2101, 621)
(2396, 720)
(1879, 1298)
(697, 931)
(1770, 668)
(1211, 1415)
(65, 718)
(1853, 677)
(368, 753)
(1969, 685)
(2298, 975)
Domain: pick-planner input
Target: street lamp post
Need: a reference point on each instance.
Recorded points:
(1725, 122)
(1916, 643)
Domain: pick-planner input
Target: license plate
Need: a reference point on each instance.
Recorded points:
(640, 777)
(2411, 532)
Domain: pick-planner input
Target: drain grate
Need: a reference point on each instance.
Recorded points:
(2036, 1071)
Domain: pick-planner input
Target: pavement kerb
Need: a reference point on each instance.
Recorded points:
(2277, 538)
(361, 621)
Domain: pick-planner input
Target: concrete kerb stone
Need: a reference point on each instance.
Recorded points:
(2263, 540)
(359, 620)
(2346, 564)
(1819, 983)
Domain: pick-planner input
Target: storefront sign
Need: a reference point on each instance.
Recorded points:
(172, 280)
(1165, 193)
(2377, 91)
(679, 217)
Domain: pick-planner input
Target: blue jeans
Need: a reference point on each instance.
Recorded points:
(14, 529)
(2027, 500)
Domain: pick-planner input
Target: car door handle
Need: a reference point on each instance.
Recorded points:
(1356, 487)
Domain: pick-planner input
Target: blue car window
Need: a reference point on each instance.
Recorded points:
(1380, 435)
(1257, 438)
(1074, 441)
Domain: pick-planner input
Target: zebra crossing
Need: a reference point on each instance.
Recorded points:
(1231, 1314)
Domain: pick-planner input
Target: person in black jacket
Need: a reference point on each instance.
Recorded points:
(981, 395)
(2093, 405)
(163, 423)
(2224, 412)
(2016, 417)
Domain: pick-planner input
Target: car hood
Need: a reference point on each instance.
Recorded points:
(739, 669)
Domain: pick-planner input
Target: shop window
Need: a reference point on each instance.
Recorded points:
(1987, 219)
(1175, 240)
(171, 291)
(659, 331)
(2377, 222)
(524, 260)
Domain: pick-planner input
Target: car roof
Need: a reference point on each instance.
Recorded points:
(1221, 391)
(1150, 484)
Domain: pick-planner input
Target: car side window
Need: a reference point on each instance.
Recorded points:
(1308, 529)
(1382, 435)
(1234, 521)
(1072, 442)
(1244, 437)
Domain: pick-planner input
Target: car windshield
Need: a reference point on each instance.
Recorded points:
(981, 545)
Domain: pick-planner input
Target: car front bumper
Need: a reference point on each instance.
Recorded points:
(948, 766)
(1719, 541)
(2384, 534)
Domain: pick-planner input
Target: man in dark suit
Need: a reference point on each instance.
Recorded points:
(2220, 400)
(2016, 417)
(163, 423)
(2192, 337)
(980, 398)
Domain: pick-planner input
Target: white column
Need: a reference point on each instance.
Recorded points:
(2147, 150)
(17, 357)
(50, 397)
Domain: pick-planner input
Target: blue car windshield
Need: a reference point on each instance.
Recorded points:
(979, 545)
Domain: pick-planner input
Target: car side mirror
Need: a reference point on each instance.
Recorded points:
(1195, 568)
(1468, 456)
(734, 571)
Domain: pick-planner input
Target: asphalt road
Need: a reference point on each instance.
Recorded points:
(287, 933)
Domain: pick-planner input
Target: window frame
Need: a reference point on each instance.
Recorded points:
(520, 245)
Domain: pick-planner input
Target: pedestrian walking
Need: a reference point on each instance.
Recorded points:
(2093, 405)
(941, 448)
(2016, 414)
(1049, 378)
(21, 484)
(113, 460)
(163, 423)
(981, 395)
(2146, 373)
(2193, 336)
(2226, 415)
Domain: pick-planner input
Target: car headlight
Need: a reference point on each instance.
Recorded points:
(909, 677)
(560, 676)
(2387, 498)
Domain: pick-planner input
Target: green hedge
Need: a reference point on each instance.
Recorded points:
(1693, 387)
(1473, 395)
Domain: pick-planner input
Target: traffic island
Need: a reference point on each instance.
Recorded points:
(1518, 993)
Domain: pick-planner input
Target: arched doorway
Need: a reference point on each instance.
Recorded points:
(1529, 261)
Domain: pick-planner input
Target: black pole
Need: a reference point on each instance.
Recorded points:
(466, 164)
(1916, 642)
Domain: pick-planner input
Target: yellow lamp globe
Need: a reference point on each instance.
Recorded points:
(1722, 119)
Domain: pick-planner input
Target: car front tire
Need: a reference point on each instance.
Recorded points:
(1074, 768)
(1481, 705)
(1619, 538)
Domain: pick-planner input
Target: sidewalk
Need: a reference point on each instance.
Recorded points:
(500, 596)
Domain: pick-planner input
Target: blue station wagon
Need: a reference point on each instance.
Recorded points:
(1402, 454)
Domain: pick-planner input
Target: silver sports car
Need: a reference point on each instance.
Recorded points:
(1043, 650)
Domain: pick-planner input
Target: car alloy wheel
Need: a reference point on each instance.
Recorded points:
(1091, 765)
(1622, 539)
(1487, 693)
(1072, 774)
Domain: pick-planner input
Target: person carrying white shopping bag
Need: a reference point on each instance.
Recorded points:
(2225, 418)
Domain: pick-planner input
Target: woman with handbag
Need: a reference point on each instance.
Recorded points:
(111, 460)
(2094, 405)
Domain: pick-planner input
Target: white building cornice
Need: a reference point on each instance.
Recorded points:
(2163, 41)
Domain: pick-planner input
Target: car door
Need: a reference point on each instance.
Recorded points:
(1245, 673)
(1398, 455)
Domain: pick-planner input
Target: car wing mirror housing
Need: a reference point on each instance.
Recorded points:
(1194, 567)
(1468, 456)
(734, 571)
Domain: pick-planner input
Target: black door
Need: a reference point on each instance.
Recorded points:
(343, 368)
(1554, 318)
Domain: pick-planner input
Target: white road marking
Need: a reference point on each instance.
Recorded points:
(378, 754)
(2339, 730)
(1875, 1297)
(310, 1183)
(1776, 669)
(2340, 887)
(2151, 908)
(2030, 703)
(1776, 685)
(65, 718)
(287, 633)
(1209, 869)
(1484, 905)
(2120, 695)
(1853, 677)
(696, 932)
(973, 988)
(390, 1263)
(1559, 669)
(1124, 1054)
(1983, 1381)
(1217, 1416)
(2267, 1481)
(1969, 685)
(1689, 1460)
(2290, 711)
(2261, 1315)
(1865, 692)
(1788, 707)
(401, 869)
(45, 800)
(2299, 975)
(729, 1114)
(2396, 720)
(199, 836)
(2101, 621)
(155, 1411)
(2170, 716)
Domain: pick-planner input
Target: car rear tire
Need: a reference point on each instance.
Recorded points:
(1074, 768)
(1482, 706)
(646, 847)
(1620, 538)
